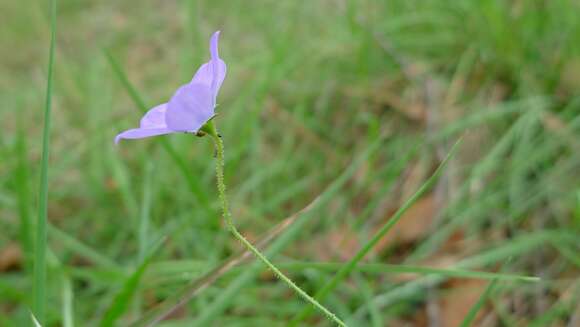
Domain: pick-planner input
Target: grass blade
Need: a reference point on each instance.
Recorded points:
(122, 300)
(81, 249)
(380, 268)
(226, 296)
(67, 302)
(350, 266)
(22, 178)
(286, 230)
(515, 247)
(34, 320)
(40, 245)
(198, 285)
(473, 311)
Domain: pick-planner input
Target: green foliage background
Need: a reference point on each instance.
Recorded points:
(311, 86)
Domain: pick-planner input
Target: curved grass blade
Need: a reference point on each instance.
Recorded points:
(286, 231)
(351, 265)
(200, 284)
(226, 296)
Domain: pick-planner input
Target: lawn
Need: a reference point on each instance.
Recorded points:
(406, 163)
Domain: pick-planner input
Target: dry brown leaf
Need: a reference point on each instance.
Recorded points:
(415, 176)
(413, 110)
(341, 243)
(461, 296)
(275, 111)
(414, 225)
(10, 257)
(569, 80)
(417, 319)
(407, 102)
(556, 125)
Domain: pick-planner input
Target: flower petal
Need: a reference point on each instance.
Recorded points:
(155, 118)
(189, 108)
(204, 75)
(213, 45)
(212, 73)
(138, 133)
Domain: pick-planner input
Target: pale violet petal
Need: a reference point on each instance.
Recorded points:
(213, 72)
(189, 108)
(138, 133)
(204, 75)
(155, 117)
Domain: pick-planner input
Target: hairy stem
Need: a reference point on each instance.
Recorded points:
(219, 147)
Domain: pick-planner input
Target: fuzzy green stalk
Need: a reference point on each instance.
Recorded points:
(210, 129)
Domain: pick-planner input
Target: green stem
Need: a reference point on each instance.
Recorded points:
(219, 146)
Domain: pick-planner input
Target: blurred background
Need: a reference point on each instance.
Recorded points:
(352, 102)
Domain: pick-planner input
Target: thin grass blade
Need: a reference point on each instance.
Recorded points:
(39, 291)
(351, 265)
(122, 300)
(67, 300)
(226, 296)
(380, 268)
(479, 304)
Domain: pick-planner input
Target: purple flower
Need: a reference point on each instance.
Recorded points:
(190, 107)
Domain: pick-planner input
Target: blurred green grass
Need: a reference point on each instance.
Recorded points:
(310, 86)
